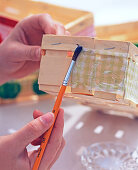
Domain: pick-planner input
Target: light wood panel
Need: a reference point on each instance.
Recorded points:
(120, 32)
(73, 20)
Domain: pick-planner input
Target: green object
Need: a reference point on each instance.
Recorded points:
(10, 90)
(136, 44)
(36, 88)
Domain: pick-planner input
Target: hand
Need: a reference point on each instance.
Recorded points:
(14, 155)
(20, 52)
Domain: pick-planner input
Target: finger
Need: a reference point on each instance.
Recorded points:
(31, 53)
(58, 153)
(47, 24)
(28, 68)
(35, 26)
(34, 129)
(37, 113)
(22, 52)
(27, 53)
(41, 22)
(54, 141)
(60, 30)
(37, 141)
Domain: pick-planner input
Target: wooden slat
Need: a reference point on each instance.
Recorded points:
(105, 95)
(133, 52)
(112, 46)
(103, 104)
(53, 67)
(83, 91)
(68, 43)
(49, 89)
(80, 24)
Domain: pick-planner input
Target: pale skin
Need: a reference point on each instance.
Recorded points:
(20, 56)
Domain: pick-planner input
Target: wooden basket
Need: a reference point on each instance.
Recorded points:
(113, 71)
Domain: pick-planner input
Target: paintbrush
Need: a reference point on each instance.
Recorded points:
(56, 107)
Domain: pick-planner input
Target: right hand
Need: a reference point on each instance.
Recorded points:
(14, 155)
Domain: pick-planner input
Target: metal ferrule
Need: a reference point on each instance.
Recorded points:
(66, 79)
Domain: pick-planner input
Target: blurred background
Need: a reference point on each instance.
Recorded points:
(105, 12)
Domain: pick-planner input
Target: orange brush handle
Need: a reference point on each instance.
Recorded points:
(47, 134)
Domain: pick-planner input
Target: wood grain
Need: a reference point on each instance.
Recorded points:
(73, 20)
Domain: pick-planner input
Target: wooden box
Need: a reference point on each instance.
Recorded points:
(77, 22)
(105, 74)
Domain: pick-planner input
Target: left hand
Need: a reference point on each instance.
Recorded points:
(20, 52)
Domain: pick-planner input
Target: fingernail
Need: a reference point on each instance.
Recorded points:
(47, 118)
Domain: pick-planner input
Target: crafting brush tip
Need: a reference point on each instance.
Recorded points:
(77, 52)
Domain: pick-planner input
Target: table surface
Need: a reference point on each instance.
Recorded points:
(83, 127)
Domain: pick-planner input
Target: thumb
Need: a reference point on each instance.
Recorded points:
(34, 129)
(26, 52)
(32, 53)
